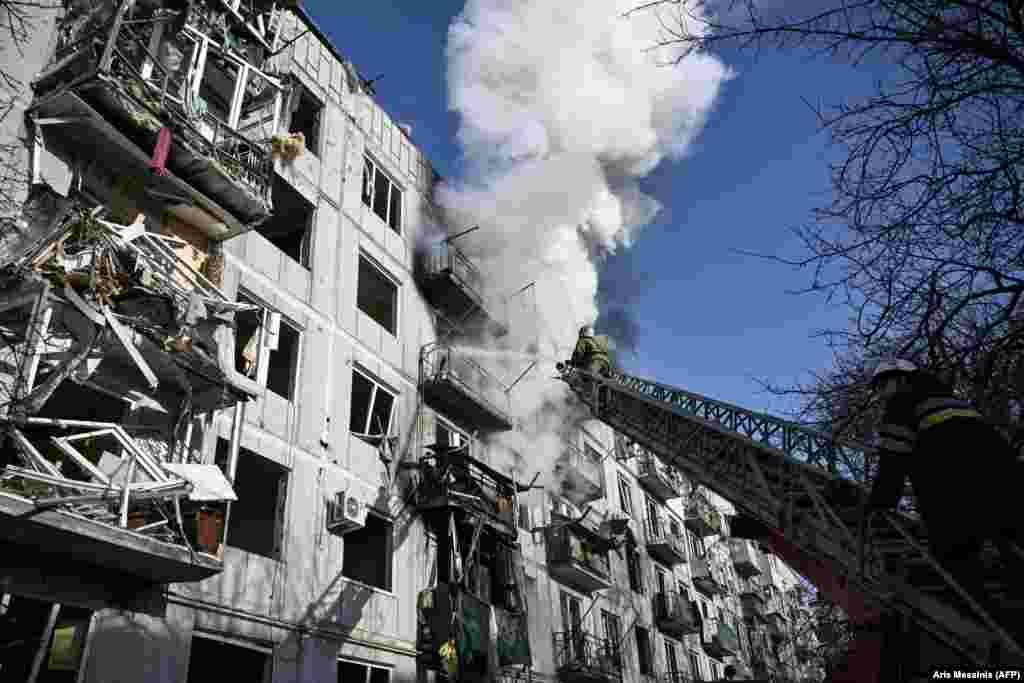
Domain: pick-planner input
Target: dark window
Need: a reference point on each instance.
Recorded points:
(377, 295)
(643, 651)
(289, 227)
(217, 89)
(24, 624)
(355, 672)
(625, 499)
(368, 553)
(381, 194)
(636, 581)
(257, 517)
(245, 664)
(671, 661)
(695, 667)
(283, 363)
(371, 406)
(524, 517)
(306, 110)
(612, 633)
(282, 356)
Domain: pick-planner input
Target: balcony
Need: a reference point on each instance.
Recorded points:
(703, 519)
(87, 495)
(455, 287)
(582, 475)
(746, 558)
(457, 386)
(121, 81)
(719, 639)
(675, 615)
(434, 629)
(662, 544)
(663, 482)
(577, 555)
(584, 658)
(455, 480)
(707, 576)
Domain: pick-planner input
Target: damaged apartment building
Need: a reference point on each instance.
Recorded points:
(236, 432)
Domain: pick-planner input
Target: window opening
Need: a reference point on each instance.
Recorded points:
(256, 522)
(289, 228)
(371, 406)
(245, 664)
(377, 295)
(367, 553)
(306, 113)
(382, 194)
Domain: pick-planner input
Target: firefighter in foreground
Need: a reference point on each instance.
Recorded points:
(962, 470)
(591, 353)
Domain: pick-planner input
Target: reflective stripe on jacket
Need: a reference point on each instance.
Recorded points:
(935, 411)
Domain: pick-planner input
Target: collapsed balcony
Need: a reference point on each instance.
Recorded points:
(664, 543)
(455, 287)
(719, 639)
(662, 481)
(577, 554)
(746, 558)
(581, 657)
(110, 334)
(138, 86)
(453, 479)
(104, 499)
(581, 474)
(702, 518)
(675, 614)
(454, 384)
(708, 576)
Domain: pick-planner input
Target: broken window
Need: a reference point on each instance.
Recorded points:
(267, 348)
(217, 88)
(367, 554)
(289, 228)
(256, 521)
(625, 498)
(377, 295)
(26, 636)
(636, 582)
(371, 406)
(382, 194)
(245, 663)
(643, 650)
(356, 672)
(256, 116)
(306, 112)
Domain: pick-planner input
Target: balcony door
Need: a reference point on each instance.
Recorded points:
(653, 518)
(572, 621)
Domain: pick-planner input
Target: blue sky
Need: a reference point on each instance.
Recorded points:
(711, 319)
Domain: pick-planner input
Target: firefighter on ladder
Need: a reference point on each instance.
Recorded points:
(591, 353)
(962, 470)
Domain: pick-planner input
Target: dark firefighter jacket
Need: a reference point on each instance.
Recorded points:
(942, 443)
(591, 354)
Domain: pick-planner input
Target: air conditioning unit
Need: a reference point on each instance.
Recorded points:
(345, 513)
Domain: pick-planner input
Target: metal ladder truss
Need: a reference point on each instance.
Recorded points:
(800, 483)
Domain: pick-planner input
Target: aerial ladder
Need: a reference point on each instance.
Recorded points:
(794, 485)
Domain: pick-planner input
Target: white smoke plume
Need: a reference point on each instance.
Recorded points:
(563, 106)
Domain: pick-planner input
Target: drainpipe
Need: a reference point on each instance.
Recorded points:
(236, 437)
